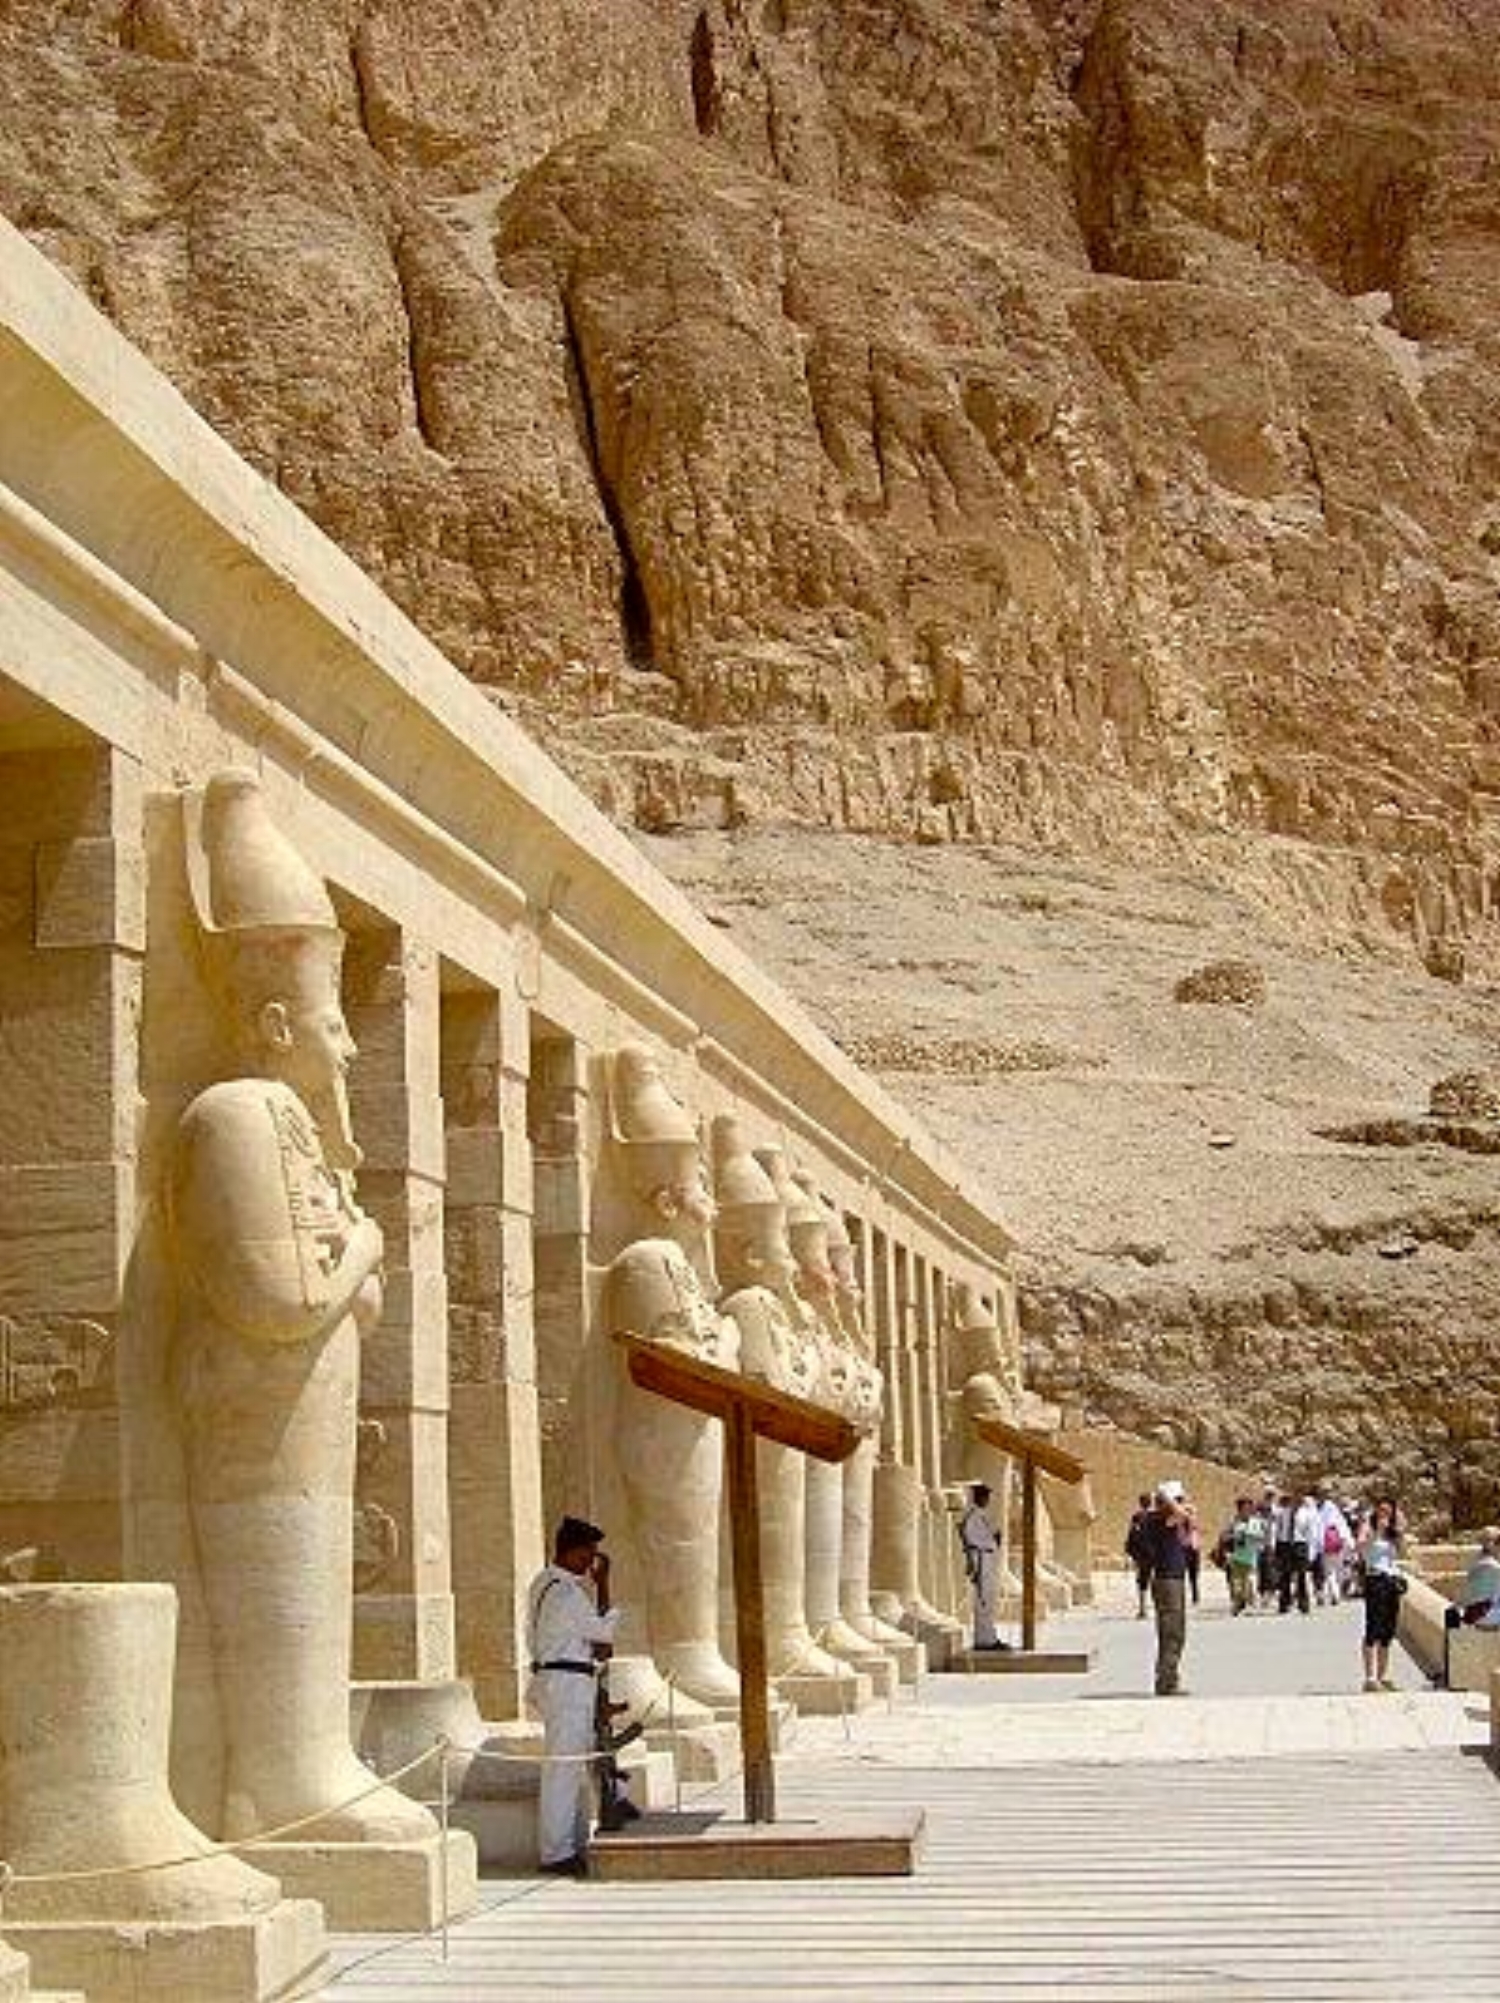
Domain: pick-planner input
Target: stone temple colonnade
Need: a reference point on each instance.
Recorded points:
(561, 1071)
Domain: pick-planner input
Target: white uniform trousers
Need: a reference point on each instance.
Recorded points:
(565, 1806)
(986, 1578)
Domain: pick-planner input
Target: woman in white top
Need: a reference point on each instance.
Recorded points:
(1380, 1553)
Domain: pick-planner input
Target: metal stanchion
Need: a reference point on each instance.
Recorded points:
(444, 1748)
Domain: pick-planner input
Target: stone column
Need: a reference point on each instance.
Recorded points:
(403, 1620)
(892, 1534)
(72, 891)
(880, 1293)
(494, 1448)
(941, 1542)
(564, 1305)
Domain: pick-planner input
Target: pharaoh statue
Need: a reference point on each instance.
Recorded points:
(670, 1460)
(847, 1388)
(986, 1380)
(278, 1276)
(779, 1345)
(858, 1472)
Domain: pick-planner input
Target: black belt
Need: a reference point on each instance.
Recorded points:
(572, 1668)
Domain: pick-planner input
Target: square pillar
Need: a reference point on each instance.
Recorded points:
(493, 1437)
(881, 1296)
(904, 1334)
(72, 944)
(559, 1117)
(403, 1608)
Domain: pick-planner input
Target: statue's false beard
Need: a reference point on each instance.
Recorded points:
(330, 1111)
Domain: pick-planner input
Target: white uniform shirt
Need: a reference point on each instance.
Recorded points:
(976, 1532)
(563, 1622)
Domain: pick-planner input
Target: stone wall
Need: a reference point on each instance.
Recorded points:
(1122, 1466)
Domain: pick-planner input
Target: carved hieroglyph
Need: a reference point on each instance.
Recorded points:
(278, 1275)
(670, 1460)
(778, 1344)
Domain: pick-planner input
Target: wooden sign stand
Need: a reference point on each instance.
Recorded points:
(750, 1411)
(1035, 1452)
(857, 1846)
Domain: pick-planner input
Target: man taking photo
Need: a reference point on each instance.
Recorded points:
(1165, 1543)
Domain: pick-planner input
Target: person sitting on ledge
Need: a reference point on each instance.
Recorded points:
(1481, 1604)
(570, 1632)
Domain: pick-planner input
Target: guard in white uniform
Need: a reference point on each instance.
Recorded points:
(565, 1629)
(981, 1542)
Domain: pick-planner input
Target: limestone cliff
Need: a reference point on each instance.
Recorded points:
(1071, 422)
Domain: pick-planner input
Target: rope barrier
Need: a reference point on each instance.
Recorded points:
(444, 1749)
(9, 1876)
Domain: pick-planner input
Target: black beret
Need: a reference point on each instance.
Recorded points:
(573, 1532)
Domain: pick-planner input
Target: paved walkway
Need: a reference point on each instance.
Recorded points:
(1303, 1844)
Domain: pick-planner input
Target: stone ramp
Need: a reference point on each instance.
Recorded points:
(1316, 1880)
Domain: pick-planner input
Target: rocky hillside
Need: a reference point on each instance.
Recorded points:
(1254, 1185)
(1075, 420)
(1069, 424)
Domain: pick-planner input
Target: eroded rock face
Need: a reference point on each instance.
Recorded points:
(1074, 420)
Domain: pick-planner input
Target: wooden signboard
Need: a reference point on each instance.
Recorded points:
(1033, 1451)
(750, 1411)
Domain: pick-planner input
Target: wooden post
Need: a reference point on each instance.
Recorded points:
(749, 1617)
(749, 1411)
(1028, 1553)
(1033, 1450)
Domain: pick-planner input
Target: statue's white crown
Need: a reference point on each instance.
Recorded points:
(244, 875)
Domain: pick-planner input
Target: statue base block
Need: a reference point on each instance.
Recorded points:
(504, 1827)
(703, 1752)
(826, 1696)
(271, 1959)
(706, 1846)
(15, 1976)
(910, 1658)
(379, 1887)
(880, 1669)
(1022, 1662)
(941, 1639)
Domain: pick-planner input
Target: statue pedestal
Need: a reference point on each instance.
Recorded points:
(827, 1696)
(940, 1637)
(866, 1660)
(904, 1650)
(15, 1982)
(85, 1720)
(379, 1887)
(259, 1959)
(703, 1752)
